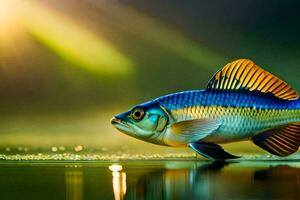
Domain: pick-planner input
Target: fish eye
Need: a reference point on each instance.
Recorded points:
(138, 114)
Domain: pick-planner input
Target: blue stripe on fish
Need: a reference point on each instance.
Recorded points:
(240, 98)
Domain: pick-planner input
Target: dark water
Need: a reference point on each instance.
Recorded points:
(153, 180)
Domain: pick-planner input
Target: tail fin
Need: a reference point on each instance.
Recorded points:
(281, 141)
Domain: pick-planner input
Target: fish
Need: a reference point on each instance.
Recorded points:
(241, 102)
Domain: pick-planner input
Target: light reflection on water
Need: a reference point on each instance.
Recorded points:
(118, 181)
(213, 181)
(152, 180)
(74, 185)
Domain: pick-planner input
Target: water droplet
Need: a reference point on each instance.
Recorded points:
(54, 149)
(78, 148)
(62, 148)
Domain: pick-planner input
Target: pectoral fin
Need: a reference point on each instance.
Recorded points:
(211, 151)
(280, 141)
(191, 131)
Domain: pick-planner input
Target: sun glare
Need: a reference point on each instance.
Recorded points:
(8, 15)
(9, 27)
(8, 10)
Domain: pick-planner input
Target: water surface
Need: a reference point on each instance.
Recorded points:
(150, 180)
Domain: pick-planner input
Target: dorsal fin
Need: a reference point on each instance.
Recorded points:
(245, 74)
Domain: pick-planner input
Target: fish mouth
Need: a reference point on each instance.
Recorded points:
(121, 125)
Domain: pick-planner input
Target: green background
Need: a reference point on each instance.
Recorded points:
(67, 67)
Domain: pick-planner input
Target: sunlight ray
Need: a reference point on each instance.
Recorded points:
(73, 42)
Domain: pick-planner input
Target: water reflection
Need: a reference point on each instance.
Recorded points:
(118, 181)
(151, 180)
(74, 183)
(176, 181)
(278, 182)
(217, 180)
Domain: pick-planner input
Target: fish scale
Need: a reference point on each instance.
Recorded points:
(241, 113)
(225, 99)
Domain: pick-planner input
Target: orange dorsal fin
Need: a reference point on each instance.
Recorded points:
(245, 74)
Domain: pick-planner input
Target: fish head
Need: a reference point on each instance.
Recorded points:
(145, 121)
